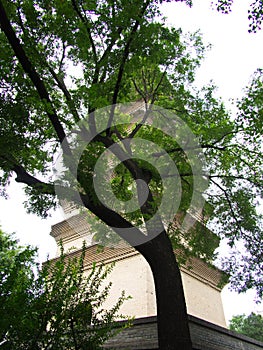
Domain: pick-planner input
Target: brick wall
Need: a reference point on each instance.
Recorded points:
(205, 336)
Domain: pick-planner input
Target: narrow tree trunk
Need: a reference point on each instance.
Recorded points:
(173, 329)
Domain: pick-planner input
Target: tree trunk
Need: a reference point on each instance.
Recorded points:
(172, 319)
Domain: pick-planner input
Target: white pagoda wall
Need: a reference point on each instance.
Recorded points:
(133, 275)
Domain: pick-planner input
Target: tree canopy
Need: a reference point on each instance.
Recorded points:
(58, 306)
(251, 325)
(62, 64)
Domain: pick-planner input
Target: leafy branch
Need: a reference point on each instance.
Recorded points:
(34, 76)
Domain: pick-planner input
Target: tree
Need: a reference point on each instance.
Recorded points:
(250, 325)
(123, 52)
(55, 307)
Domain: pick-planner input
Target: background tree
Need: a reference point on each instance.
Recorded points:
(251, 325)
(55, 307)
(124, 52)
(255, 12)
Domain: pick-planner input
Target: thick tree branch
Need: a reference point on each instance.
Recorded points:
(137, 173)
(24, 177)
(130, 164)
(108, 216)
(33, 75)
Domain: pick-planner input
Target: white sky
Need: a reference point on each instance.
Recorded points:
(235, 55)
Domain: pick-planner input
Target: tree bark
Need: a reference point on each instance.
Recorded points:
(172, 319)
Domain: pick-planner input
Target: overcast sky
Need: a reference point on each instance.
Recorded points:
(234, 56)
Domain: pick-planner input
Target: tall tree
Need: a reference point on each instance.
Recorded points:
(55, 307)
(62, 63)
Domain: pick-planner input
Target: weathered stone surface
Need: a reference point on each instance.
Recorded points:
(205, 336)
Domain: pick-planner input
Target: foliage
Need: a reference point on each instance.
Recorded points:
(251, 325)
(249, 217)
(255, 12)
(113, 53)
(70, 59)
(56, 307)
